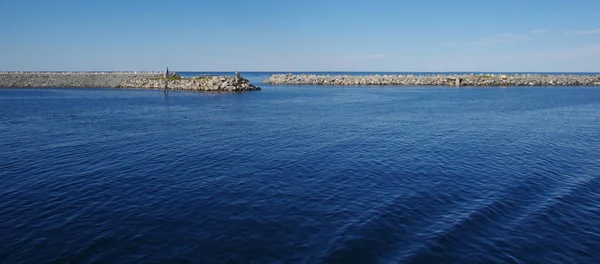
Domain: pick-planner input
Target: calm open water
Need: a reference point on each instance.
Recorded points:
(300, 174)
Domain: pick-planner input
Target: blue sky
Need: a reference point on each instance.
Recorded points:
(307, 35)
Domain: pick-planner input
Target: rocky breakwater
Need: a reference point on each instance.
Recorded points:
(438, 80)
(149, 80)
(207, 84)
(70, 79)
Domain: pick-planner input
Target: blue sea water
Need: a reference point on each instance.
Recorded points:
(300, 174)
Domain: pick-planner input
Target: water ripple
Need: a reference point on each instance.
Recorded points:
(300, 175)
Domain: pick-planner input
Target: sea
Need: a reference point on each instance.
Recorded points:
(300, 174)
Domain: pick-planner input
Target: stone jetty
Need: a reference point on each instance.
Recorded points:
(438, 80)
(207, 83)
(147, 80)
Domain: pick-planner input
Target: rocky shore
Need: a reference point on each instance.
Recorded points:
(147, 80)
(208, 84)
(438, 80)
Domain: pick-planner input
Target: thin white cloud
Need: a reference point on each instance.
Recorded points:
(584, 32)
(583, 58)
(539, 31)
(580, 52)
(367, 57)
(504, 38)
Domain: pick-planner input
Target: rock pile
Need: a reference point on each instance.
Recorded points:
(70, 79)
(174, 75)
(437, 80)
(150, 80)
(208, 84)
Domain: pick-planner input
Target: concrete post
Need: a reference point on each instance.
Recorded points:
(457, 81)
(237, 75)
